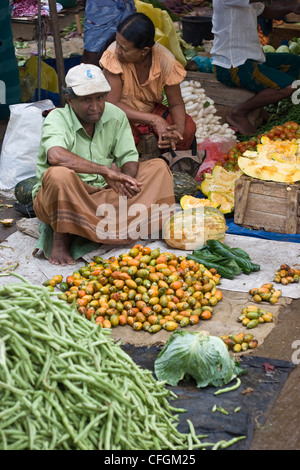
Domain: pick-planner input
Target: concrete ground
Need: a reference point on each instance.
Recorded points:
(281, 430)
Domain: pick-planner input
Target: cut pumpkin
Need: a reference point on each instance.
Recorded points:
(225, 201)
(223, 176)
(219, 187)
(187, 202)
(285, 158)
(268, 146)
(269, 170)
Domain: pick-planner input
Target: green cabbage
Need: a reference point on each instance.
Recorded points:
(268, 48)
(283, 49)
(294, 48)
(196, 355)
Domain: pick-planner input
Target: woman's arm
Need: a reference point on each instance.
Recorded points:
(176, 107)
(166, 133)
(278, 12)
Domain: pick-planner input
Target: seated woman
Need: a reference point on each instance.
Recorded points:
(138, 70)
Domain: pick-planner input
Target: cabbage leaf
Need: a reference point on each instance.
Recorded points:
(196, 355)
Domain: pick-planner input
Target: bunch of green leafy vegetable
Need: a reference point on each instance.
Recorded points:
(229, 262)
(196, 355)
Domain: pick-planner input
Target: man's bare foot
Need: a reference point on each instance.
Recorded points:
(60, 250)
(241, 123)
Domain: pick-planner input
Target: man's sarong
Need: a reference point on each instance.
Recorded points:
(69, 205)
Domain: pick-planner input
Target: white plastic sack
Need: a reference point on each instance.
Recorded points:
(21, 142)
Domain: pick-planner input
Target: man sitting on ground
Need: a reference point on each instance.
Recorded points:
(89, 181)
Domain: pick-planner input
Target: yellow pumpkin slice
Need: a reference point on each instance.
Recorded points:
(268, 147)
(285, 158)
(269, 170)
(225, 201)
(223, 176)
(187, 202)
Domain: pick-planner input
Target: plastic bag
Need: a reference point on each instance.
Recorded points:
(21, 142)
(204, 64)
(29, 78)
(165, 32)
(216, 149)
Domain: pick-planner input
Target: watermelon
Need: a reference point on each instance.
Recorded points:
(23, 190)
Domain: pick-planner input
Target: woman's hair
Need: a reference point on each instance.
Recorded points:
(138, 29)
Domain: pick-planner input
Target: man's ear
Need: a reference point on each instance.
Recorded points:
(69, 101)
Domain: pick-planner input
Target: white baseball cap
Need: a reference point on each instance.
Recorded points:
(86, 79)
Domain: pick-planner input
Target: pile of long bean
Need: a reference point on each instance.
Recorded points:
(65, 384)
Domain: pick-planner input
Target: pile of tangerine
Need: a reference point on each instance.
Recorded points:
(143, 288)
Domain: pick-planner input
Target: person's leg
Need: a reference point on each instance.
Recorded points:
(285, 62)
(101, 22)
(270, 84)
(238, 117)
(62, 204)
(60, 249)
(72, 207)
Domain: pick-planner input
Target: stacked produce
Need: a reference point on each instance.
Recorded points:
(252, 316)
(265, 293)
(288, 130)
(240, 342)
(273, 160)
(292, 47)
(202, 110)
(279, 109)
(176, 7)
(286, 275)
(264, 40)
(66, 385)
(145, 289)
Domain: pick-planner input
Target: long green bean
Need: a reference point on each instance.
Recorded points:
(229, 389)
(65, 384)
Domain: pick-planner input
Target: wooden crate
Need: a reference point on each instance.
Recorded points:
(267, 205)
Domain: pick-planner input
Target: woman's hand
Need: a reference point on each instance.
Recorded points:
(168, 134)
(122, 184)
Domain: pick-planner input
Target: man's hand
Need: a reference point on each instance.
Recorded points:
(122, 184)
